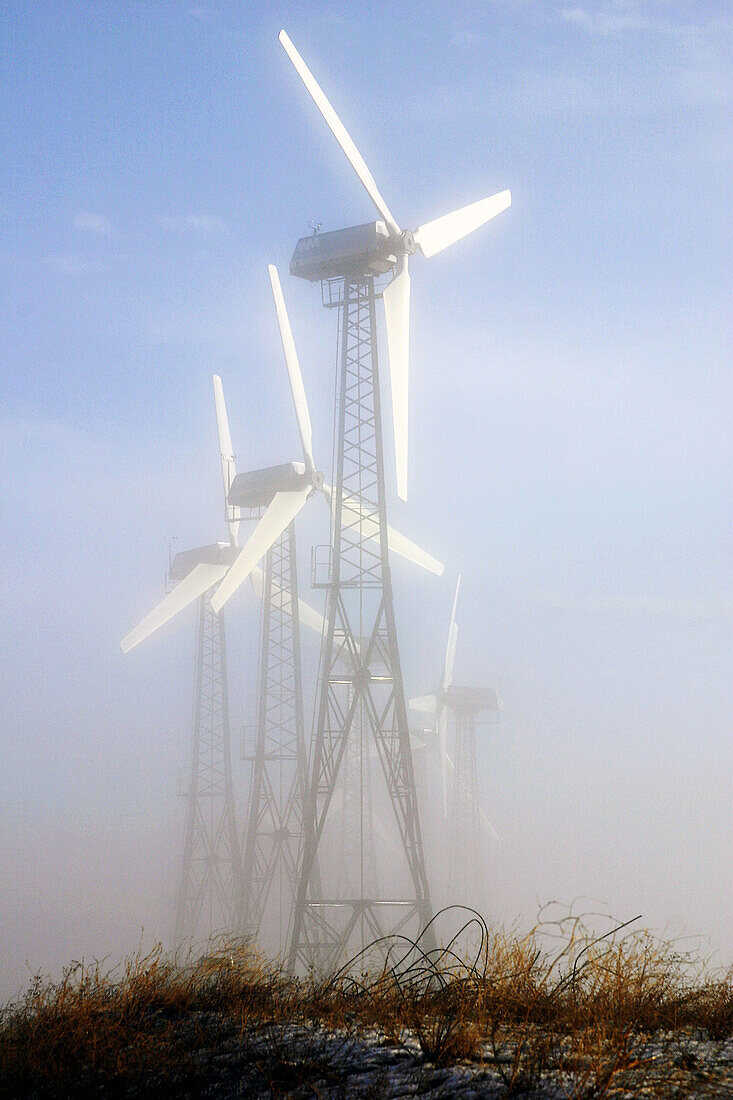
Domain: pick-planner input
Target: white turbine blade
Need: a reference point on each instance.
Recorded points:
(257, 577)
(282, 511)
(226, 452)
(450, 652)
(436, 235)
(307, 615)
(397, 316)
(291, 360)
(399, 544)
(488, 825)
(441, 724)
(450, 656)
(426, 704)
(339, 131)
(202, 577)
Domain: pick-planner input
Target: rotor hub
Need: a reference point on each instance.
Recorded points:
(408, 242)
(317, 480)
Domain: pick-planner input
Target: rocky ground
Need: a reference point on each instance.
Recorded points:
(282, 1060)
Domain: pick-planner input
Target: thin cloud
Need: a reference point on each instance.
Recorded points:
(624, 16)
(88, 222)
(611, 19)
(467, 39)
(194, 223)
(713, 609)
(203, 13)
(69, 263)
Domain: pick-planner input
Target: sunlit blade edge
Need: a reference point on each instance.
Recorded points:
(339, 131)
(436, 235)
(450, 650)
(282, 511)
(397, 317)
(202, 577)
(293, 364)
(226, 452)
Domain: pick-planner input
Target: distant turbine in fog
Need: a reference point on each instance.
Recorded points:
(210, 864)
(437, 704)
(242, 894)
(461, 806)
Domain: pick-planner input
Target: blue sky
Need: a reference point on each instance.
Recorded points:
(570, 407)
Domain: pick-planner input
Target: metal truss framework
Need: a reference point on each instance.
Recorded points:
(356, 859)
(361, 680)
(466, 880)
(210, 864)
(274, 830)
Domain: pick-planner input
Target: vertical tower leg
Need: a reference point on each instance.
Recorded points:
(205, 900)
(466, 875)
(356, 858)
(360, 670)
(275, 819)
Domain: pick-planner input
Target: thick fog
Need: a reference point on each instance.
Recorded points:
(569, 432)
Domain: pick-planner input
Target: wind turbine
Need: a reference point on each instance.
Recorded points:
(210, 864)
(212, 844)
(274, 495)
(385, 246)
(196, 572)
(437, 704)
(347, 263)
(462, 810)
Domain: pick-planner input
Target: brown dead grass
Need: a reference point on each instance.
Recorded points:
(575, 1010)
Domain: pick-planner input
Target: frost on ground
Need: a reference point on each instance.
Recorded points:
(279, 1060)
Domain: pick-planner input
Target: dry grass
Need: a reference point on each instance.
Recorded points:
(576, 1011)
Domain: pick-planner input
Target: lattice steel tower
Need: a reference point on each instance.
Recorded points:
(463, 820)
(274, 828)
(355, 854)
(361, 679)
(360, 601)
(205, 900)
(467, 880)
(210, 866)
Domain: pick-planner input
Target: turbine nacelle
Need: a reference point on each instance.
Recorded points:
(354, 252)
(218, 553)
(470, 700)
(257, 488)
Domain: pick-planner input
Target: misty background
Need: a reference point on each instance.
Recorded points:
(570, 409)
